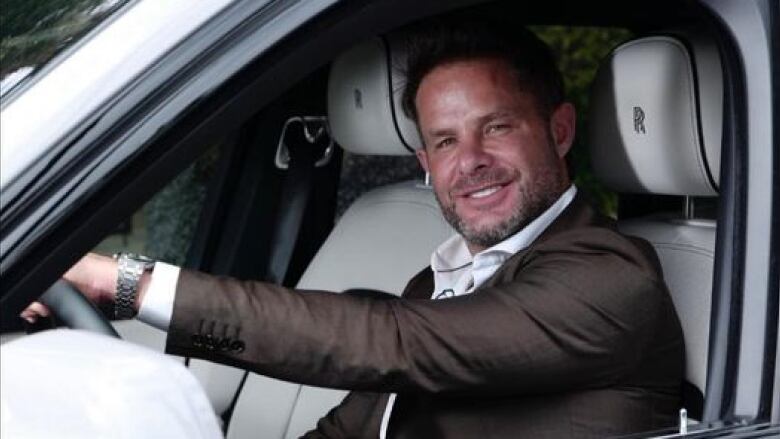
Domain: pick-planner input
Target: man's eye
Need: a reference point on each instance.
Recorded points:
(497, 128)
(443, 143)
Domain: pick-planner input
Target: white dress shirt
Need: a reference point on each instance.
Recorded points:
(455, 272)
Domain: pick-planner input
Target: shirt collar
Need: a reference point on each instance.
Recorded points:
(453, 254)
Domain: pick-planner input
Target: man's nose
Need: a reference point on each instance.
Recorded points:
(472, 156)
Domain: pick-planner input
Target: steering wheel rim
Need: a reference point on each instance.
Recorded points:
(75, 310)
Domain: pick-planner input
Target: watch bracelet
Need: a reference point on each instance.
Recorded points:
(130, 269)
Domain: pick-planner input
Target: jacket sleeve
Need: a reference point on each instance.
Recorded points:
(571, 314)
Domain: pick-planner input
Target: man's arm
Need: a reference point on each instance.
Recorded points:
(96, 277)
(565, 317)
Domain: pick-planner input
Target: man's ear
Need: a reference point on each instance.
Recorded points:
(563, 123)
(422, 156)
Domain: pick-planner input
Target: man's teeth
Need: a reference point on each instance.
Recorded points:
(484, 192)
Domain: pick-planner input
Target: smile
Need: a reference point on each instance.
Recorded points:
(482, 193)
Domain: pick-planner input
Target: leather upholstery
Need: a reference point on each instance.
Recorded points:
(364, 101)
(650, 131)
(677, 83)
(687, 253)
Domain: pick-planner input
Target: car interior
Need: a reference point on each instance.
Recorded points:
(674, 151)
(654, 137)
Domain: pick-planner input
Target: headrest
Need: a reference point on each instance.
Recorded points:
(364, 101)
(655, 117)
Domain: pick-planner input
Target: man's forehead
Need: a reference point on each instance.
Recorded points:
(491, 78)
(473, 75)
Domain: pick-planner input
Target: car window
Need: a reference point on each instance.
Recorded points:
(32, 32)
(164, 227)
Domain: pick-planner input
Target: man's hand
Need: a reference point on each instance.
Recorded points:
(94, 275)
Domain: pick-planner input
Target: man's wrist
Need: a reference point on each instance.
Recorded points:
(131, 282)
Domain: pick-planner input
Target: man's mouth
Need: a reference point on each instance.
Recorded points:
(485, 189)
(485, 192)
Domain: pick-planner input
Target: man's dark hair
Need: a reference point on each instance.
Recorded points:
(432, 43)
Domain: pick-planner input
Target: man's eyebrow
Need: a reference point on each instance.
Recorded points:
(494, 115)
(444, 132)
(441, 132)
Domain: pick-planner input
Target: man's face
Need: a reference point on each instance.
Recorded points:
(496, 163)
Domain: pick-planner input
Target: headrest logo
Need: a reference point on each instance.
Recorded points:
(639, 120)
(358, 98)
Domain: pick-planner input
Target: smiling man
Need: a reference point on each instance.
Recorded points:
(495, 156)
(550, 323)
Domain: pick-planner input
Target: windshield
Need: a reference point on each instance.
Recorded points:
(32, 32)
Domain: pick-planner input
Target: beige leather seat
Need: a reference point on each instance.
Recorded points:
(656, 112)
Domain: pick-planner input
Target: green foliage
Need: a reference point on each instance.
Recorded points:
(579, 50)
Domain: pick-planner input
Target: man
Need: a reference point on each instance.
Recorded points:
(549, 324)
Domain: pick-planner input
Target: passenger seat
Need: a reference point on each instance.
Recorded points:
(655, 128)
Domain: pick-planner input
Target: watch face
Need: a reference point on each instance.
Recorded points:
(139, 258)
(148, 263)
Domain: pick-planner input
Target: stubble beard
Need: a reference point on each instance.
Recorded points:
(533, 198)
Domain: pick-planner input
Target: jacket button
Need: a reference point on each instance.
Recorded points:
(237, 346)
(209, 342)
(197, 340)
(224, 344)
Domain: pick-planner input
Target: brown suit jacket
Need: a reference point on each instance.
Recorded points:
(575, 336)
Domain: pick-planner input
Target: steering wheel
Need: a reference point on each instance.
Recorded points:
(74, 310)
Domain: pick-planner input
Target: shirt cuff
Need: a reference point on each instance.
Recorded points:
(157, 306)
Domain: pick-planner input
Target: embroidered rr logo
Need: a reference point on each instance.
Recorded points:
(639, 120)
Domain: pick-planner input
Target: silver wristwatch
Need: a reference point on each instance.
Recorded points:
(131, 267)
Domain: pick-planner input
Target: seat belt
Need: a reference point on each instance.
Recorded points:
(306, 140)
(305, 144)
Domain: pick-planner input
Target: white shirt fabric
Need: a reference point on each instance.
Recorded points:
(455, 272)
(68, 383)
(157, 306)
